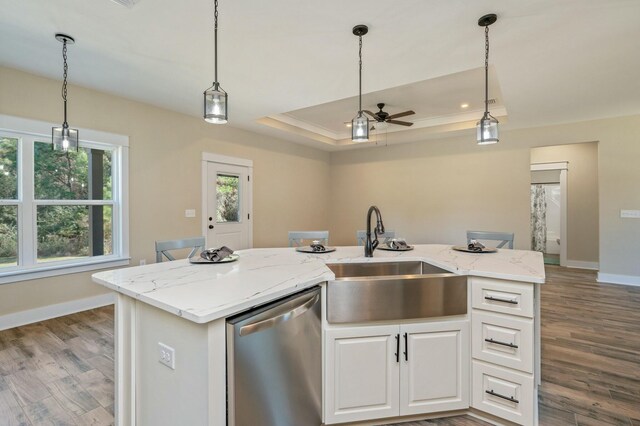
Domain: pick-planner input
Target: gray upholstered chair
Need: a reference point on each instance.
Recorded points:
(383, 238)
(504, 238)
(297, 238)
(163, 247)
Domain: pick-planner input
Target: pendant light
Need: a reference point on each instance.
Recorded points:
(215, 98)
(63, 138)
(487, 127)
(360, 124)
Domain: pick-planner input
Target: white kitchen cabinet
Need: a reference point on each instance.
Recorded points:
(373, 372)
(434, 367)
(362, 373)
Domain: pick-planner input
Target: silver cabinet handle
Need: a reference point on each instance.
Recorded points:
(497, 299)
(497, 342)
(270, 322)
(508, 398)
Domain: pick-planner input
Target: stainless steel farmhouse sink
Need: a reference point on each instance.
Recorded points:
(385, 291)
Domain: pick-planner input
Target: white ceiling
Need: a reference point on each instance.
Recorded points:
(555, 61)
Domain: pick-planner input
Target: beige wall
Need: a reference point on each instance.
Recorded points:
(582, 196)
(430, 191)
(433, 191)
(165, 173)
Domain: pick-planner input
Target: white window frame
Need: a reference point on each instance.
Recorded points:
(30, 131)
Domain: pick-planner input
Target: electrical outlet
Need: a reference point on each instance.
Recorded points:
(190, 213)
(167, 355)
(143, 262)
(633, 214)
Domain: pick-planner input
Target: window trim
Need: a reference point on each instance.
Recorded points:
(119, 144)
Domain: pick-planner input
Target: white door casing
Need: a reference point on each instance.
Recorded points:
(235, 232)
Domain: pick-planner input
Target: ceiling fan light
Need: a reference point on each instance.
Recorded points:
(360, 128)
(215, 105)
(487, 130)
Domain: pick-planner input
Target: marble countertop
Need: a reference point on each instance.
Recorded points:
(203, 293)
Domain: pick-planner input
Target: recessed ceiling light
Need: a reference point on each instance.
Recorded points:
(464, 106)
(348, 124)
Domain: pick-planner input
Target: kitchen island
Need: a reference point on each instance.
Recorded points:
(185, 306)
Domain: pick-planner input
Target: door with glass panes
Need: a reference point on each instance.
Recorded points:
(228, 216)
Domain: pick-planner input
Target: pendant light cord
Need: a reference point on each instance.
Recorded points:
(64, 80)
(215, 42)
(360, 76)
(486, 70)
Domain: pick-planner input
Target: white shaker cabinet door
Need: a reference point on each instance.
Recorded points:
(434, 367)
(362, 373)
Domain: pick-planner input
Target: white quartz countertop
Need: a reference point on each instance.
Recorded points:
(206, 292)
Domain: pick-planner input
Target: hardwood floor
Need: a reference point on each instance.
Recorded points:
(58, 372)
(61, 371)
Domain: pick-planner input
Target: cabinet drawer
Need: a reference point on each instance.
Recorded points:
(507, 297)
(504, 393)
(503, 340)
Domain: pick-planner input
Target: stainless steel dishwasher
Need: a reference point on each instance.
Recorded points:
(274, 363)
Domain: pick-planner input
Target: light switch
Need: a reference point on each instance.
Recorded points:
(633, 214)
(190, 213)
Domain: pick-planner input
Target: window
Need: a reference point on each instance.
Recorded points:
(227, 199)
(60, 211)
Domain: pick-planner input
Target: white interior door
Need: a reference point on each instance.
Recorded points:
(229, 202)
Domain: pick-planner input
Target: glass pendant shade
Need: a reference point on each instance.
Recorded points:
(215, 105)
(64, 138)
(360, 128)
(487, 130)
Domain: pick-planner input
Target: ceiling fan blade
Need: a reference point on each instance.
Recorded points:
(401, 123)
(400, 114)
(370, 113)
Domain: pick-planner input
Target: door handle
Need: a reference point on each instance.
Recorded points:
(406, 347)
(210, 218)
(270, 322)
(397, 354)
(210, 226)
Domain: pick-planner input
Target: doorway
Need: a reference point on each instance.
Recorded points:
(549, 211)
(227, 184)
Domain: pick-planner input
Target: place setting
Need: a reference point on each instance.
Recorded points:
(395, 244)
(475, 246)
(316, 247)
(215, 255)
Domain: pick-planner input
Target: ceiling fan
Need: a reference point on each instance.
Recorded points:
(384, 117)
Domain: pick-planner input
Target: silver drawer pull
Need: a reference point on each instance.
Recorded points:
(508, 398)
(497, 299)
(497, 342)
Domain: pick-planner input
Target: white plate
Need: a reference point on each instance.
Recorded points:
(309, 249)
(386, 247)
(197, 260)
(466, 249)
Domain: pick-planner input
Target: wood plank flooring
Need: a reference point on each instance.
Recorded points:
(58, 372)
(61, 371)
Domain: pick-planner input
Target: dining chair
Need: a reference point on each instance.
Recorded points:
(297, 238)
(163, 247)
(504, 238)
(361, 236)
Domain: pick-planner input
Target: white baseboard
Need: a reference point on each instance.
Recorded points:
(30, 316)
(619, 279)
(581, 264)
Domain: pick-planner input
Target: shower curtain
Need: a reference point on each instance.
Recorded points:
(538, 218)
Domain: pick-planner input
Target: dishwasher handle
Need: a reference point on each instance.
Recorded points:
(270, 322)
